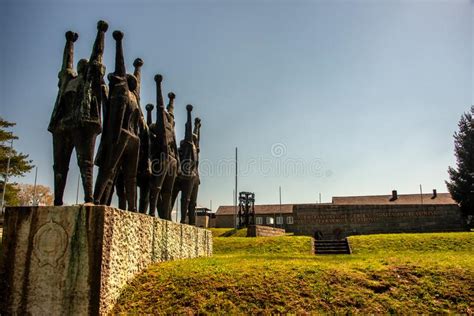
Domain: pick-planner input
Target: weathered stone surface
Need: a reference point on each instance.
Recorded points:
(76, 259)
(264, 231)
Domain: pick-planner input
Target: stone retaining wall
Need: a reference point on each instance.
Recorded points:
(264, 231)
(76, 259)
(340, 221)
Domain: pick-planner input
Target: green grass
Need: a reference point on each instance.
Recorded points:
(228, 232)
(405, 273)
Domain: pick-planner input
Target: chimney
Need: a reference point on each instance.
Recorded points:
(394, 195)
(435, 194)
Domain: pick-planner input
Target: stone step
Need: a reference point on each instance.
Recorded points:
(331, 243)
(322, 247)
(331, 248)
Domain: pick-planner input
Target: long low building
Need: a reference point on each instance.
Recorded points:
(354, 215)
(266, 214)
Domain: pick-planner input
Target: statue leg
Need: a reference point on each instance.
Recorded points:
(85, 144)
(192, 202)
(129, 168)
(156, 183)
(185, 198)
(176, 190)
(155, 189)
(144, 203)
(106, 176)
(120, 189)
(62, 148)
(110, 195)
(109, 190)
(164, 204)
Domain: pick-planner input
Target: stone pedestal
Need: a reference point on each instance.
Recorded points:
(74, 260)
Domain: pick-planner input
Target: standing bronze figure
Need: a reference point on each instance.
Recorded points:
(197, 180)
(163, 155)
(143, 171)
(120, 143)
(187, 181)
(144, 167)
(75, 121)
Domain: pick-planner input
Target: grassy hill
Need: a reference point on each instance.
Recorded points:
(405, 273)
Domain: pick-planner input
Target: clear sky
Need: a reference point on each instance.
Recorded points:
(331, 97)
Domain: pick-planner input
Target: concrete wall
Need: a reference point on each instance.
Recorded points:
(264, 231)
(202, 220)
(76, 259)
(339, 221)
(225, 221)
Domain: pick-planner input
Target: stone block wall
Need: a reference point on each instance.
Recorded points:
(264, 231)
(225, 221)
(75, 260)
(340, 221)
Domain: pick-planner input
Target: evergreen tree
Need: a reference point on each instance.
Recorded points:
(461, 185)
(19, 162)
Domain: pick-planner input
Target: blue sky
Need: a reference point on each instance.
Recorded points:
(330, 97)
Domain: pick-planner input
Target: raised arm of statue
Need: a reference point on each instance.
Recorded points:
(67, 68)
(138, 63)
(98, 48)
(119, 79)
(161, 119)
(170, 106)
(96, 69)
(92, 94)
(197, 131)
(188, 133)
(65, 75)
(120, 70)
(149, 109)
(170, 109)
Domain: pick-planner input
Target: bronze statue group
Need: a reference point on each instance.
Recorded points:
(133, 151)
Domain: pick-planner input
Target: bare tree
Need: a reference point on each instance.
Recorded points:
(28, 195)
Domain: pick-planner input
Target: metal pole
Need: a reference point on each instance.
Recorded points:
(35, 201)
(210, 206)
(281, 215)
(236, 191)
(77, 188)
(195, 212)
(274, 219)
(6, 176)
(177, 208)
(235, 209)
(421, 194)
(319, 197)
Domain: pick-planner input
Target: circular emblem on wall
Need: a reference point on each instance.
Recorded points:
(49, 243)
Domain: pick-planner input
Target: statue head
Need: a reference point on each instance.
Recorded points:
(82, 66)
(132, 82)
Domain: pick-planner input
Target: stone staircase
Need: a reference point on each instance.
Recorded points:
(332, 247)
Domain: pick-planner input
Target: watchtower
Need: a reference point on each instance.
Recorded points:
(246, 209)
